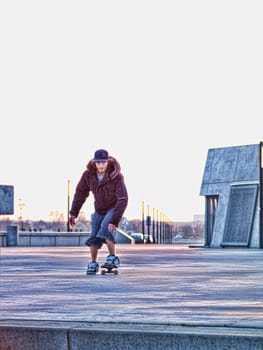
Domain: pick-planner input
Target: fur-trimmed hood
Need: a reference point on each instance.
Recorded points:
(114, 168)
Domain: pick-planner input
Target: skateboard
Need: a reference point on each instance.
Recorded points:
(109, 268)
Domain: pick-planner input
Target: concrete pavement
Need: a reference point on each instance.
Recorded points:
(186, 295)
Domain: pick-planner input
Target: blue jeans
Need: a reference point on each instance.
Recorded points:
(99, 229)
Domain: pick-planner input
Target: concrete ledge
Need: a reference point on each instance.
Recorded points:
(48, 335)
(58, 239)
(47, 239)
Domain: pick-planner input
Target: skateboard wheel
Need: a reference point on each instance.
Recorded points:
(103, 272)
(116, 272)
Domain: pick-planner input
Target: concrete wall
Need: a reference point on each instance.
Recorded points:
(46, 239)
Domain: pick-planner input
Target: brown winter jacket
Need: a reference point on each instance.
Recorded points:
(110, 193)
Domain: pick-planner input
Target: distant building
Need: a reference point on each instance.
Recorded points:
(199, 217)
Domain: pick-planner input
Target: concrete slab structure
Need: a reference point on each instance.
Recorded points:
(231, 184)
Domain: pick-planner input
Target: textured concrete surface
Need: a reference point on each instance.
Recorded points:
(215, 292)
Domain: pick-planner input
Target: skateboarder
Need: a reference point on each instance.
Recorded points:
(104, 179)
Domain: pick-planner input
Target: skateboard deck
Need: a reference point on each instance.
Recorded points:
(109, 268)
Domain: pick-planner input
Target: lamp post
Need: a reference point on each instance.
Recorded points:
(148, 223)
(157, 227)
(261, 194)
(68, 228)
(143, 218)
(21, 206)
(153, 226)
(161, 228)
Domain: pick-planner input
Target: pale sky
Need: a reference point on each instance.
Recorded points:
(156, 83)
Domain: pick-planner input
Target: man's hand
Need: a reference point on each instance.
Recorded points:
(72, 220)
(111, 227)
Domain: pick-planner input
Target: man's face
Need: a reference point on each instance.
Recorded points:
(101, 167)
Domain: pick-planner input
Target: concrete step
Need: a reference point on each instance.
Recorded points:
(48, 335)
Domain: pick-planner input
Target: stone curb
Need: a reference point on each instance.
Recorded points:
(40, 335)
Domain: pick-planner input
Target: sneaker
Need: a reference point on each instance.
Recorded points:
(112, 260)
(93, 268)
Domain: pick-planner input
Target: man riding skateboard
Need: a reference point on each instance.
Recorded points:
(104, 179)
